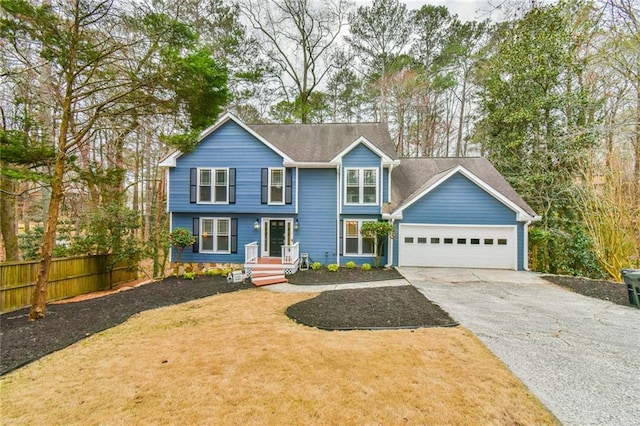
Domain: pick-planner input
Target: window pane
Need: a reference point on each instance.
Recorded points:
(462, 241)
(435, 240)
(408, 240)
(448, 240)
(276, 194)
(205, 177)
(221, 177)
(351, 229)
(488, 241)
(502, 242)
(351, 246)
(370, 177)
(475, 241)
(276, 177)
(369, 194)
(207, 226)
(205, 193)
(353, 194)
(223, 243)
(353, 178)
(367, 246)
(221, 194)
(422, 240)
(207, 243)
(223, 227)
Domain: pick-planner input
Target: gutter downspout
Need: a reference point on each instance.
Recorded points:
(525, 249)
(338, 210)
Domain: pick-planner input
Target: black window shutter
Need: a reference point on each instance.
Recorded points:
(196, 233)
(264, 198)
(193, 193)
(234, 235)
(232, 186)
(288, 186)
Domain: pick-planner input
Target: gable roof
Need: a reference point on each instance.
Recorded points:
(308, 143)
(322, 143)
(415, 177)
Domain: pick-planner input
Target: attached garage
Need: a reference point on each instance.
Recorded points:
(458, 246)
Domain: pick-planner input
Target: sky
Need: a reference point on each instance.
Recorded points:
(467, 10)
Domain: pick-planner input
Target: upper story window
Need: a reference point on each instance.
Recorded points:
(361, 186)
(213, 186)
(276, 186)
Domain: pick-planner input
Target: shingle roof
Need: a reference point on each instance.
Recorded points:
(415, 175)
(322, 142)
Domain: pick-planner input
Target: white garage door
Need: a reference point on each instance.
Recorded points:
(457, 246)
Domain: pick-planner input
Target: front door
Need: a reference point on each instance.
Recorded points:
(277, 233)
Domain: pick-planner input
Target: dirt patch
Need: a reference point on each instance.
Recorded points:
(373, 308)
(343, 275)
(603, 290)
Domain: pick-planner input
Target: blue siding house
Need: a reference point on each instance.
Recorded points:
(265, 196)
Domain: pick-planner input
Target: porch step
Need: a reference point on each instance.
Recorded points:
(261, 280)
(267, 273)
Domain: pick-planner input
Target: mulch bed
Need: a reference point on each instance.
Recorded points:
(371, 308)
(604, 290)
(22, 341)
(344, 275)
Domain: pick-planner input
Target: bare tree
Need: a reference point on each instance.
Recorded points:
(299, 39)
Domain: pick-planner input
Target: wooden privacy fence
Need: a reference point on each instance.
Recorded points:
(68, 277)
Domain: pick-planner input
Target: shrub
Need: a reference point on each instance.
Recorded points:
(333, 267)
(189, 275)
(212, 272)
(316, 266)
(366, 267)
(350, 265)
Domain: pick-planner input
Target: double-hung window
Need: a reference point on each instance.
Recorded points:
(276, 186)
(354, 243)
(213, 186)
(361, 186)
(214, 235)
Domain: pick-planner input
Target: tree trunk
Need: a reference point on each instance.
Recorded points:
(39, 298)
(8, 219)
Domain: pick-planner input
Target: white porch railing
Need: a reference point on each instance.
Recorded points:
(251, 252)
(290, 254)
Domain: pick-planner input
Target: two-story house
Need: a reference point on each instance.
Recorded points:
(266, 193)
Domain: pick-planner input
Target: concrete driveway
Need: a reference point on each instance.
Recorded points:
(580, 356)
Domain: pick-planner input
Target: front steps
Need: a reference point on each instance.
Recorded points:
(265, 274)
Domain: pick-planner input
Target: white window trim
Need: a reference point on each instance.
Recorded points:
(284, 185)
(360, 238)
(361, 186)
(213, 171)
(215, 235)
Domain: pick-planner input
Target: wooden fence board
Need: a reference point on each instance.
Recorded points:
(68, 277)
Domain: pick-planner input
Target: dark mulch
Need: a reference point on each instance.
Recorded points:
(371, 308)
(22, 341)
(344, 275)
(604, 290)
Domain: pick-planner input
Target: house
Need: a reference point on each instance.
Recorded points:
(259, 194)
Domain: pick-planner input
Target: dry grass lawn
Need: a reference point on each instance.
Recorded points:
(237, 359)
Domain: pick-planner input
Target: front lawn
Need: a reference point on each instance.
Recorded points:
(237, 359)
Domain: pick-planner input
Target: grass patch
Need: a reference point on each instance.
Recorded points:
(237, 359)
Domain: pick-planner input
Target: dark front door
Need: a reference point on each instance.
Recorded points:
(276, 237)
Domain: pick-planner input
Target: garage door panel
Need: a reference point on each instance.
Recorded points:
(457, 246)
